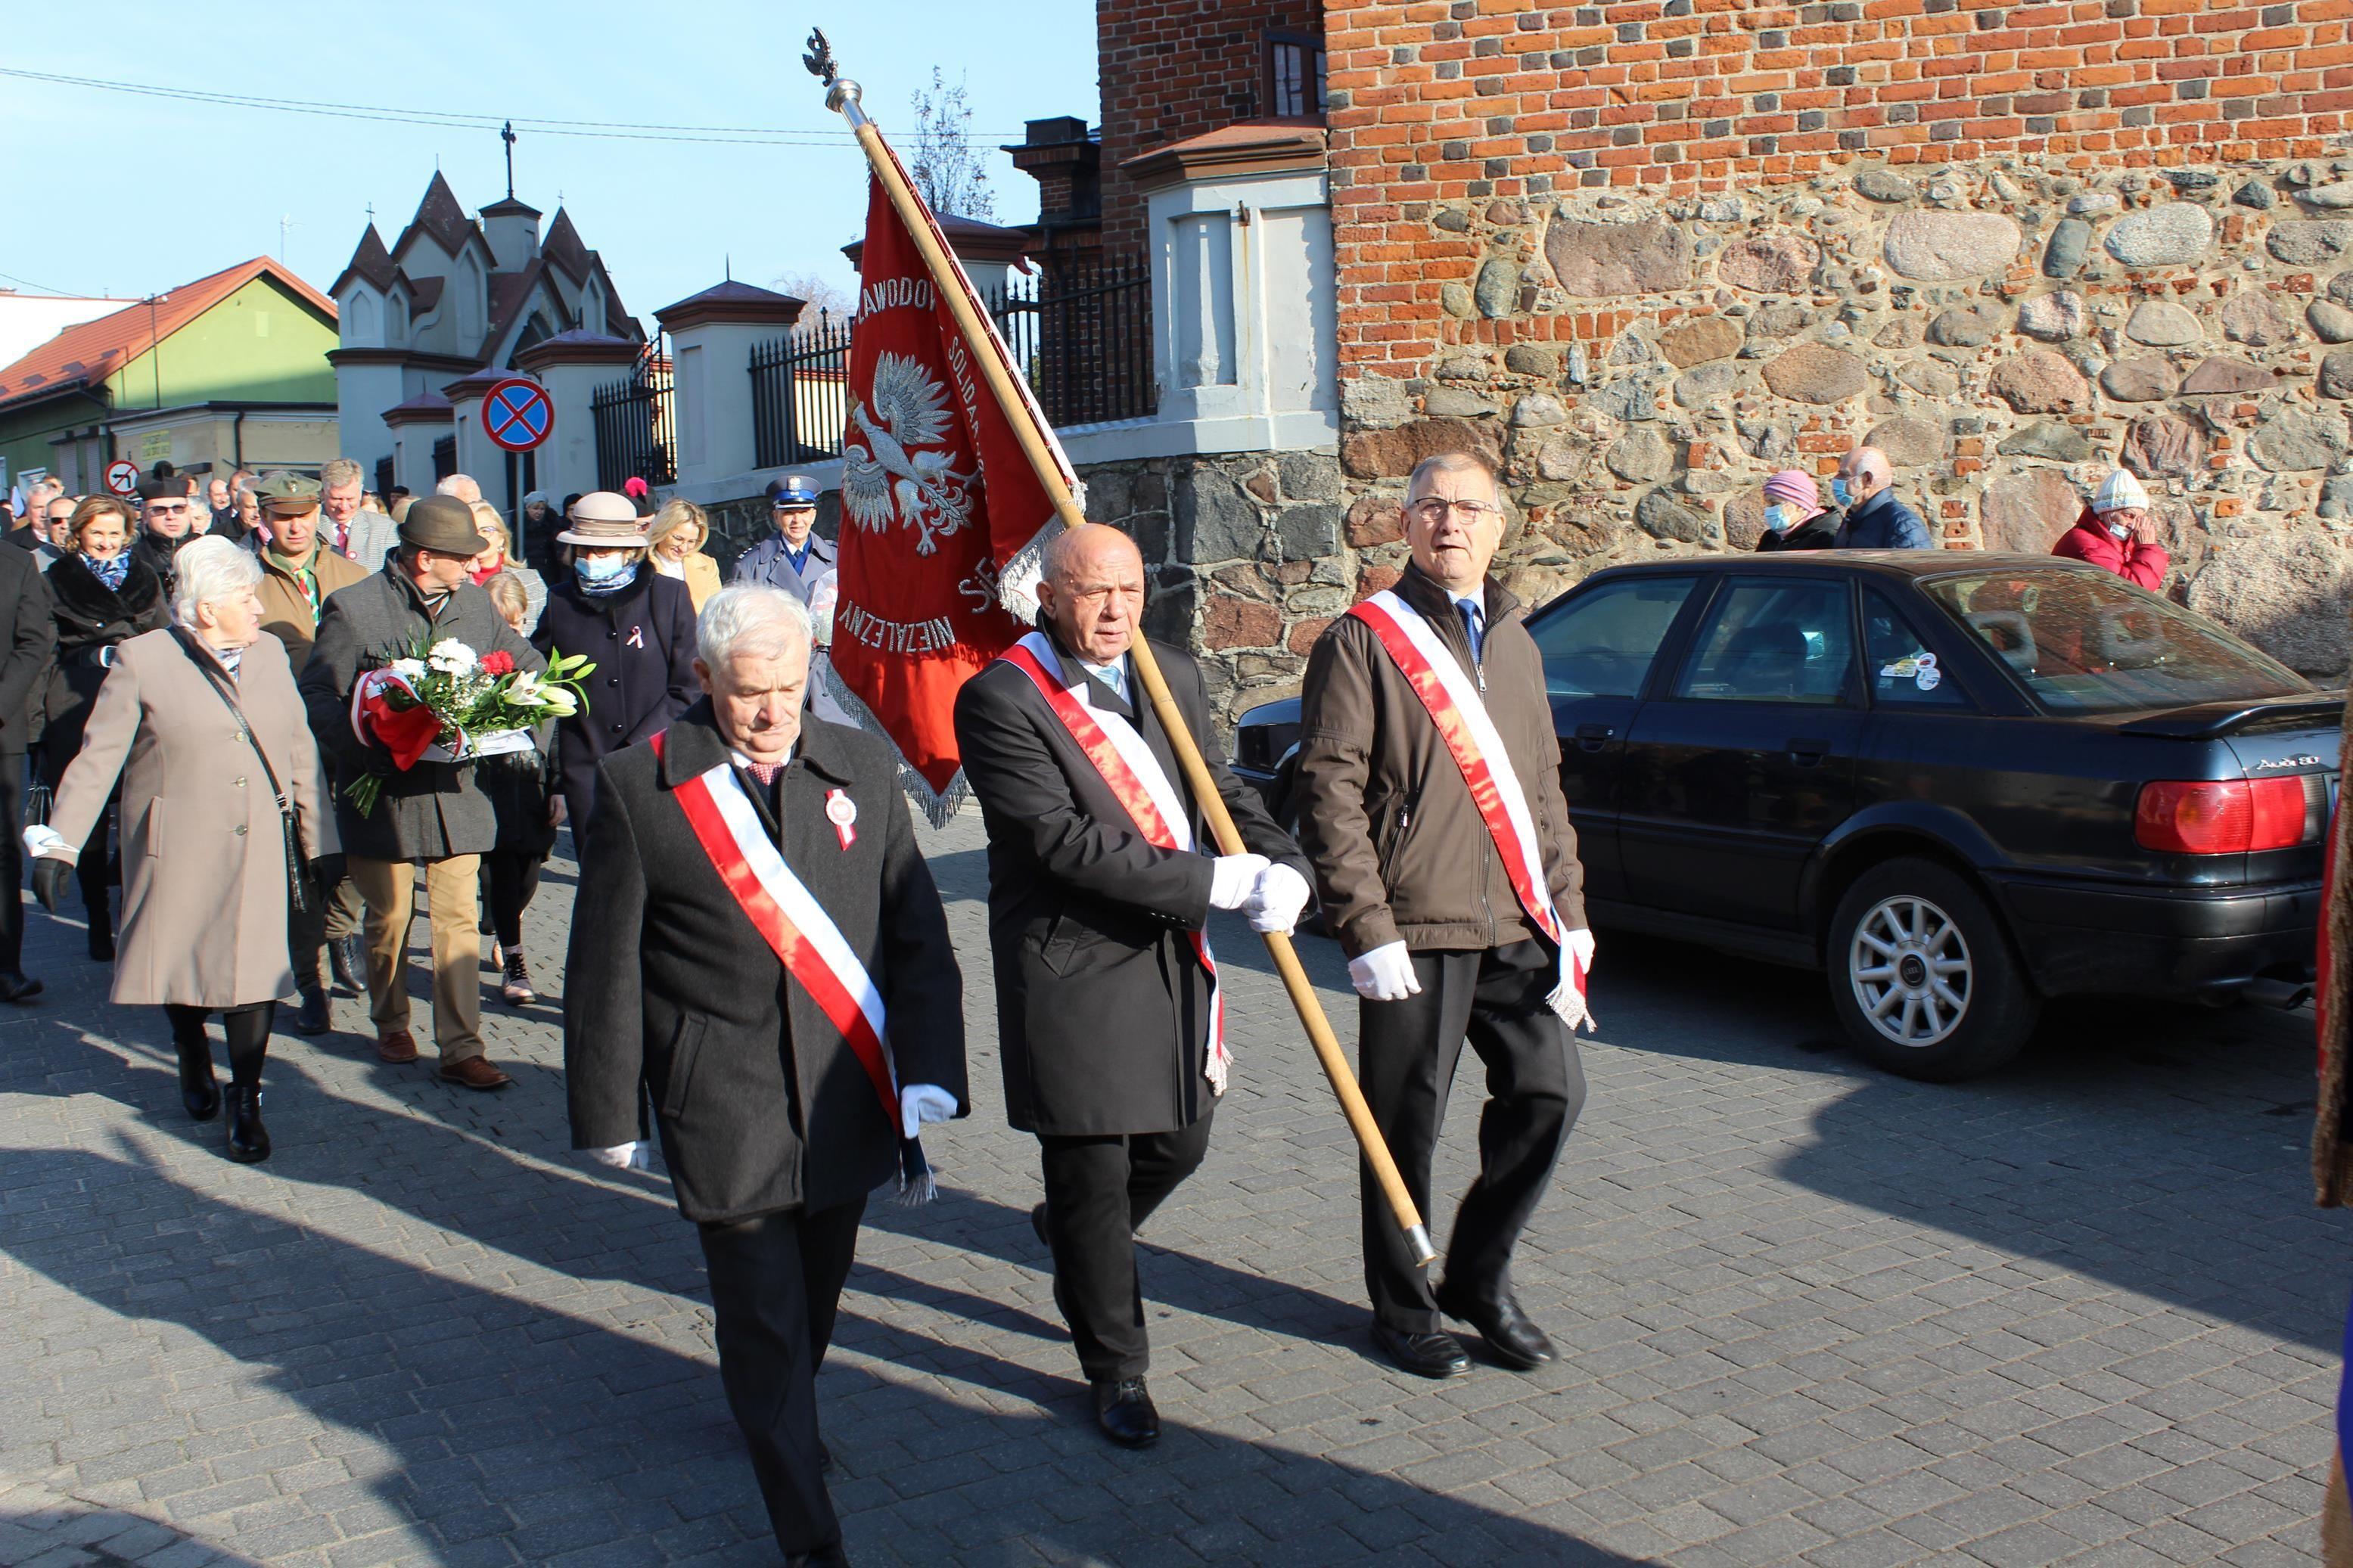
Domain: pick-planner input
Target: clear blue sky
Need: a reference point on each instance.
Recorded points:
(113, 193)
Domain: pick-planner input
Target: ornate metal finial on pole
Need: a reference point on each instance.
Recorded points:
(842, 94)
(507, 135)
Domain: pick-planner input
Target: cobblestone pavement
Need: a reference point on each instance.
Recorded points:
(2082, 1311)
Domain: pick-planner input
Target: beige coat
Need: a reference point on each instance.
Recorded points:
(204, 862)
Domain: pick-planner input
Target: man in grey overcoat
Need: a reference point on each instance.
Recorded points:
(432, 815)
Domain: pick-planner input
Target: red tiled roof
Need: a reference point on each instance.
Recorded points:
(96, 350)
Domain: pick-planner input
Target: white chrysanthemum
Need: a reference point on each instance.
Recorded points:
(451, 657)
(410, 669)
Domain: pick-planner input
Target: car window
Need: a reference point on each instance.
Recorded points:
(1902, 669)
(2088, 642)
(1601, 644)
(1773, 640)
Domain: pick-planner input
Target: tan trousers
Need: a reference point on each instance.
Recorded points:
(390, 888)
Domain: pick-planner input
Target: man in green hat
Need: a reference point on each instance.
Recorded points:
(431, 815)
(298, 573)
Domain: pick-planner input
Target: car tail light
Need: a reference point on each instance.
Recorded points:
(2224, 817)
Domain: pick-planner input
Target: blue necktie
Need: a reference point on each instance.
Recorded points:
(1471, 619)
(1116, 678)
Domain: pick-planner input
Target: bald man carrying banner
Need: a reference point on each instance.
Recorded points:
(1100, 880)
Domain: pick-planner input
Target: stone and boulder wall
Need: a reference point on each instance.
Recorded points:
(2006, 332)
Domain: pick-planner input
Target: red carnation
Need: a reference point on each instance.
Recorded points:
(498, 664)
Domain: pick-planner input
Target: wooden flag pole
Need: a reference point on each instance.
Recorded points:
(842, 97)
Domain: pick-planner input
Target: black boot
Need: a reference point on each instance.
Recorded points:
(312, 1017)
(199, 1089)
(344, 964)
(101, 937)
(249, 1140)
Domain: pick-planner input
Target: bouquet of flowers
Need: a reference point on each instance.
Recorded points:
(447, 703)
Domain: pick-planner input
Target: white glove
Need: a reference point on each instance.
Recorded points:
(42, 839)
(1231, 877)
(1580, 948)
(1274, 904)
(922, 1102)
(1384, 974)
(624, 1156)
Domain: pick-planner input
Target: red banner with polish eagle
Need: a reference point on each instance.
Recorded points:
(940, 509)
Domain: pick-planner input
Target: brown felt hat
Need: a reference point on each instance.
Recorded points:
(443, 524)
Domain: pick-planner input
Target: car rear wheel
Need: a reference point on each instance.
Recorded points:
(1923, 975)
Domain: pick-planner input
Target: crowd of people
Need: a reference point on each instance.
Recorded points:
(113, 607)
(760, 981)
(2118, 529)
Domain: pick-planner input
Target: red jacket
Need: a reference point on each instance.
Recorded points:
(2090, 541)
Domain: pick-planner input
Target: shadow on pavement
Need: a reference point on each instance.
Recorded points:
(556, 1431)
(2153, 1147)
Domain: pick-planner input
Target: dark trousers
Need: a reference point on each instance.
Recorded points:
(1407, 1053)
(12, 859)
(1098, 1191)
(776, 1280)
(509, 879)
(329, 919)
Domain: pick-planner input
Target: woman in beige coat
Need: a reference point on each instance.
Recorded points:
(197, 720)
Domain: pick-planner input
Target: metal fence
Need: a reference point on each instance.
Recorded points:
(800, 393)
(1081, 334)
(637, 429)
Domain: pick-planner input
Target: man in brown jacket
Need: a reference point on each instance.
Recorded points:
(1446, 937)
(298, 573)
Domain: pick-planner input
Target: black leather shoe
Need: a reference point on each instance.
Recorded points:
(1123, 1410)
(101, 945)
(823, 1557)
(1038, 1224)
(345, 966)
(249, 1140)
(15, 985)
(1433, 1354)
(199, 1089)
(312, 1017)
(1516, 1340)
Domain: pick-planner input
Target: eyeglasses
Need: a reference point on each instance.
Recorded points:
(167, 507)
(1435, 509)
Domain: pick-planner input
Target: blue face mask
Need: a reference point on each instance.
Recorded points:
(602, 573)
(1778, 517)
(1841, 492)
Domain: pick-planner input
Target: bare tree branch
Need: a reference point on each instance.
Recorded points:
(948, 167)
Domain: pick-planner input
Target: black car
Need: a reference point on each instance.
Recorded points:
(1960, 783)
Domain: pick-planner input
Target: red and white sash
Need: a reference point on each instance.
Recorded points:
(1455, 706)
(789, 919)
(1120, 754)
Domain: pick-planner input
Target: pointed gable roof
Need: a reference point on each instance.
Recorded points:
(89, 354)
(370, 260)
(561, 249)
(439, 218)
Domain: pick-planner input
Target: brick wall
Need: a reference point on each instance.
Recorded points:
(1479, 98)
(1643, 255)
(1174, 69)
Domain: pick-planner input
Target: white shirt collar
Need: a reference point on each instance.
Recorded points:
(1475, 598)
(742, 761)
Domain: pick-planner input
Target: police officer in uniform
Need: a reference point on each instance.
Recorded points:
(795, 559)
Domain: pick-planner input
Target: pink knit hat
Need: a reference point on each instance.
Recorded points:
(1796, 487)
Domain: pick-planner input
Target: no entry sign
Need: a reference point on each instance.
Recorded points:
(517, 415)
(122, 477)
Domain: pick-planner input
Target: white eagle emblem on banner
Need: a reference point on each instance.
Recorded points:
(884, 477)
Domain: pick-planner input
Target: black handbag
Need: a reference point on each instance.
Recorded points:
(298, 896)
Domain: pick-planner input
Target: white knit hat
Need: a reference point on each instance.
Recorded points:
(2119, 491)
